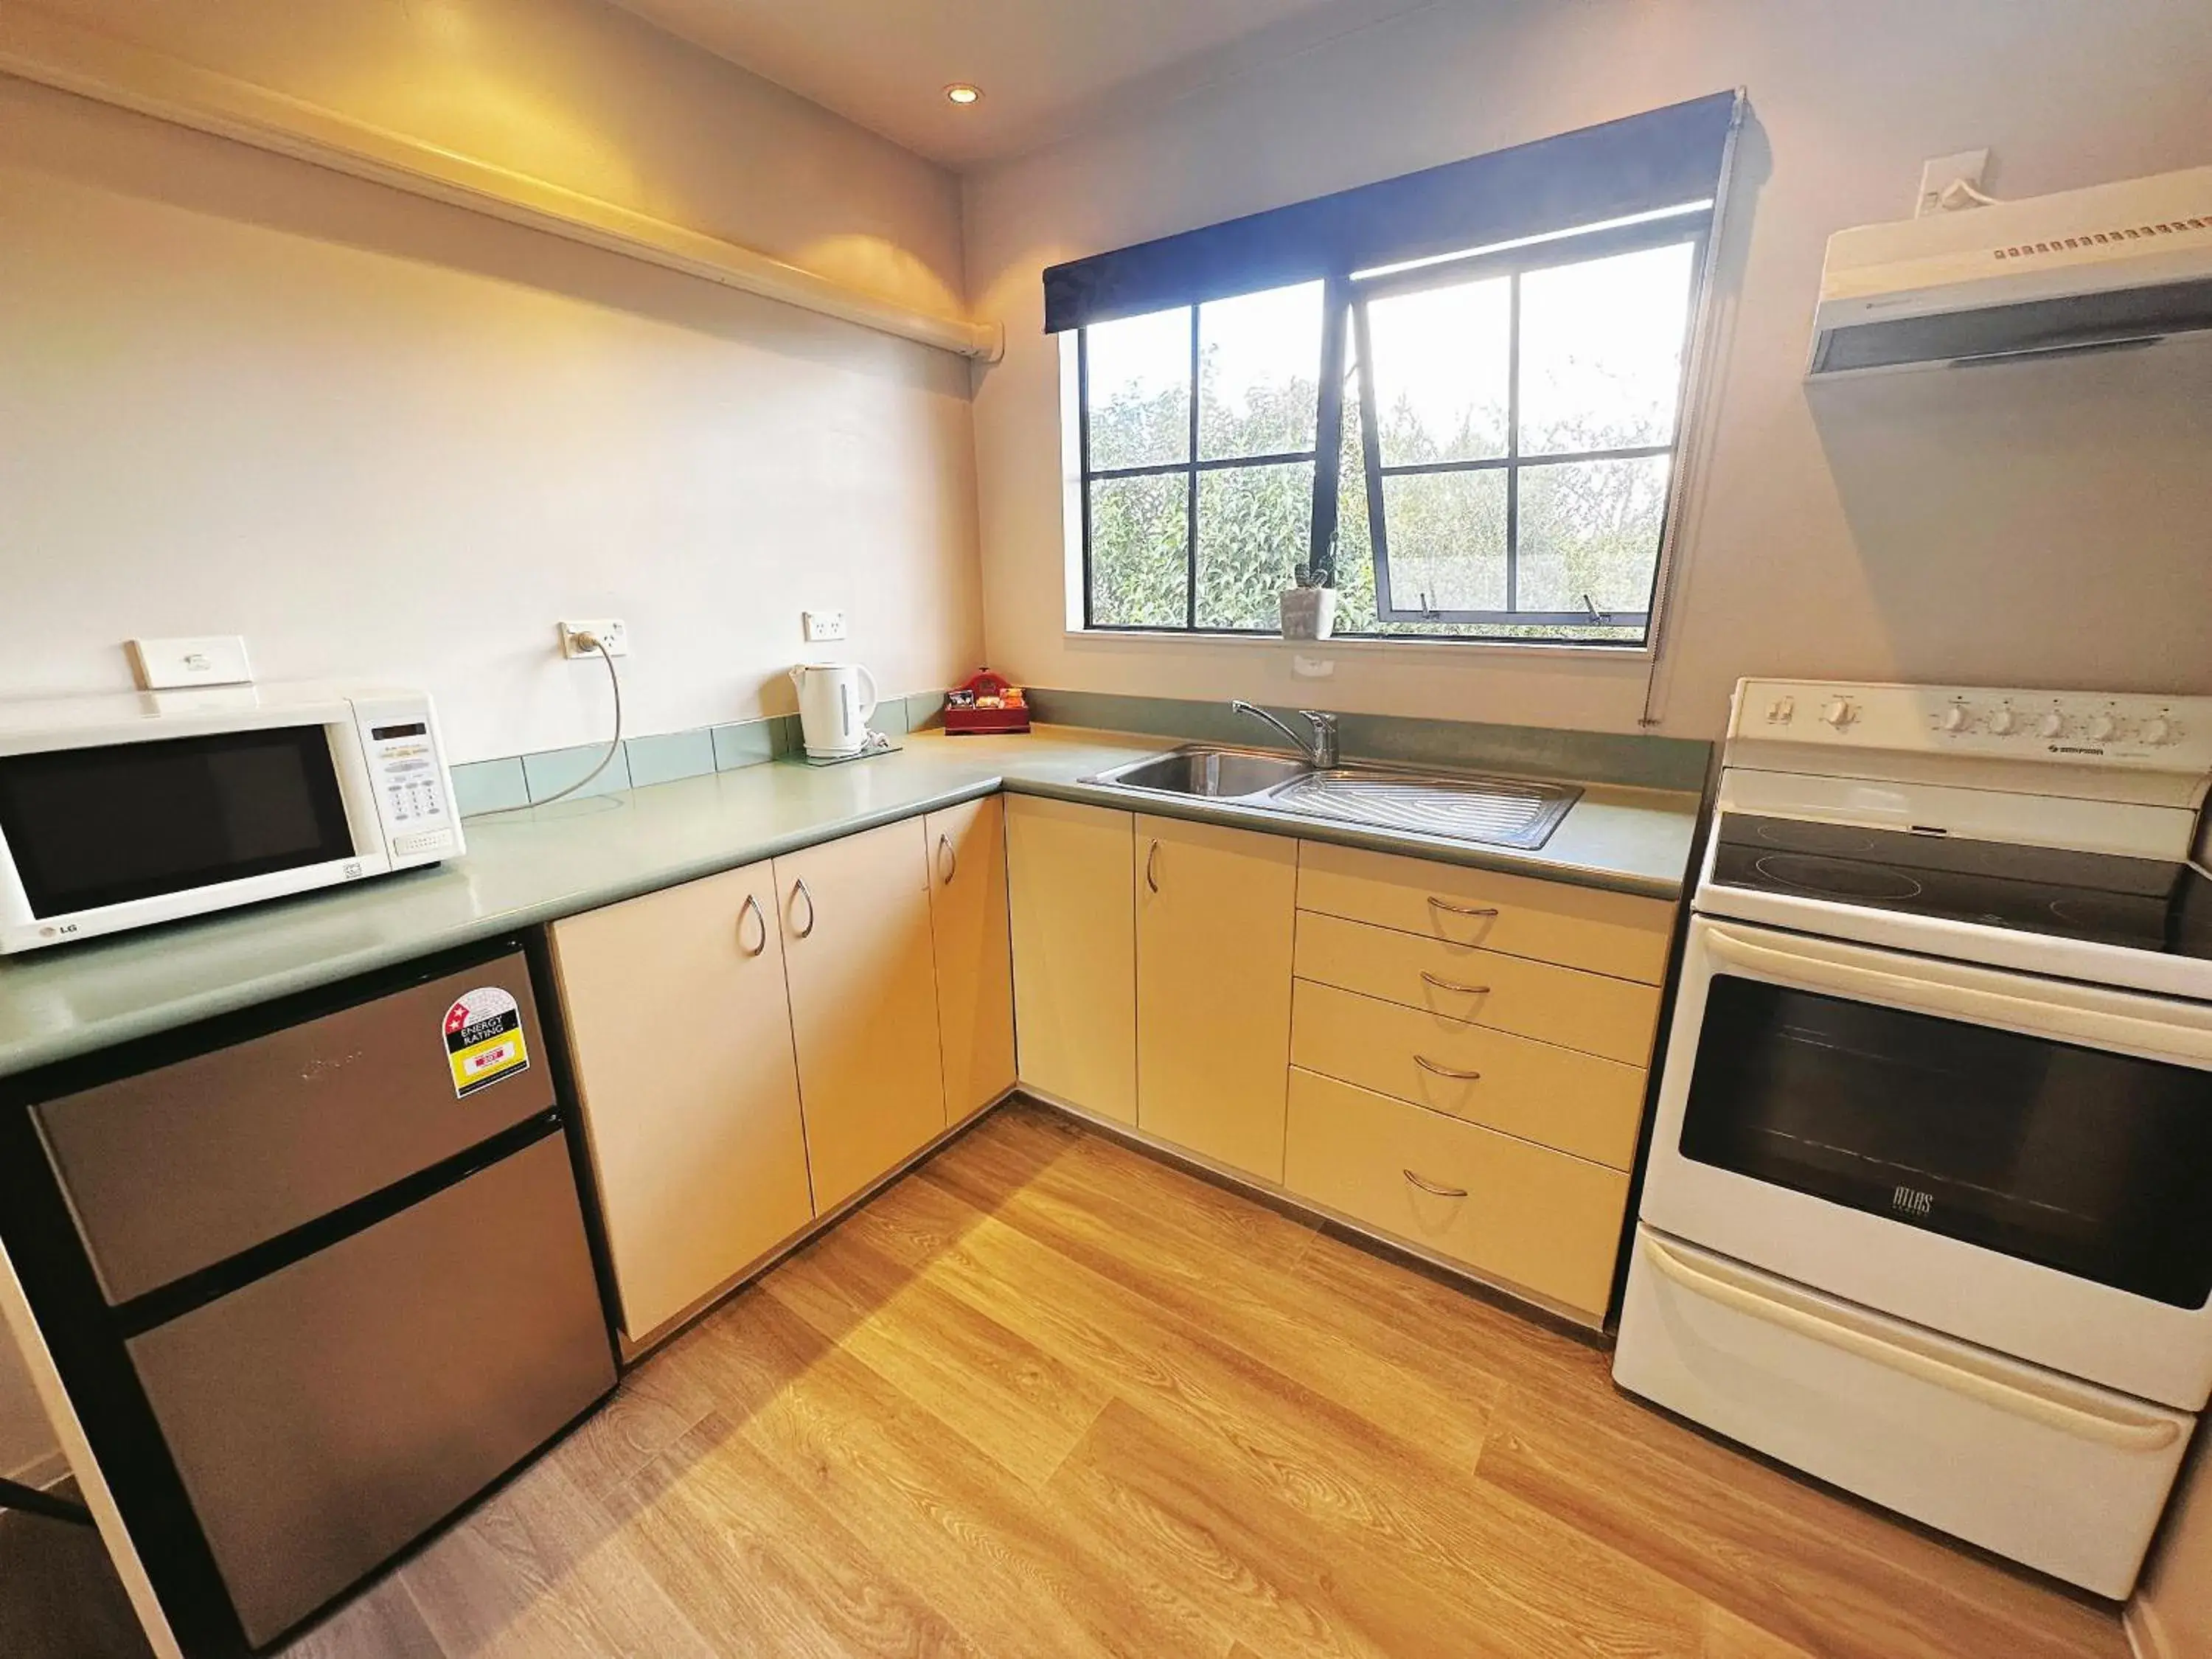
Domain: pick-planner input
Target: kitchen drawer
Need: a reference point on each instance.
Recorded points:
(1572, 1102)
(1615, 933)
(244, 1143)
(1591, 1012)
(1519, 1213)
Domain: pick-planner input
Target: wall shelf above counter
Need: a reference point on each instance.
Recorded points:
(56, 53)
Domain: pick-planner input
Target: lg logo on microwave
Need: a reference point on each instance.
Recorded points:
(1910, 1200)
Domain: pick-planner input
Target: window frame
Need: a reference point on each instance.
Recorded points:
(1345, 356)
(1188, 469)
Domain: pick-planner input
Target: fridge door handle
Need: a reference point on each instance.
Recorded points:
(2127, 1431)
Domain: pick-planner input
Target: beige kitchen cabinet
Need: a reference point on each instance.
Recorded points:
(855, 919)
(1216, 910)
(1575, 1102)
(1523, 1215)
(1621, 934)
(973, 949)
(680, 1038)
(1071, 871)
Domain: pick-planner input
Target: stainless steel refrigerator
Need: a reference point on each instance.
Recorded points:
(323, 1282)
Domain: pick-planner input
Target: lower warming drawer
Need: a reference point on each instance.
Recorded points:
(2042, 1469)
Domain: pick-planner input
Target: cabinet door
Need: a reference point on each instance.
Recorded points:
(1216, 910)
(682, 1040)
(975, 957)
(855, 918)
(1070, 869)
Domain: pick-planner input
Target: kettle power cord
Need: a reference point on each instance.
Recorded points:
(591, 642)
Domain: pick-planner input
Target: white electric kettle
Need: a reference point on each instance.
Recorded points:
(833, 710)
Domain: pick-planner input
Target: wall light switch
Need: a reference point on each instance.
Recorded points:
(197, 660)
(821, 627)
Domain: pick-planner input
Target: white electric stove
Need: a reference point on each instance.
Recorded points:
(1929, 1206)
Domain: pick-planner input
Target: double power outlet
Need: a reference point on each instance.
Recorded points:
(611, 631)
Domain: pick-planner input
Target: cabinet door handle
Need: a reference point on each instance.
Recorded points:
(1431, 1187)
(1428, 978)
(1152, 868)
(1435, 1070)
(1463, 909)
(798, 892)
(751, 907)
(948, 860)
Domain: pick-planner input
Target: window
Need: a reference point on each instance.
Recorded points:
(1477, 446)
(1456, 395)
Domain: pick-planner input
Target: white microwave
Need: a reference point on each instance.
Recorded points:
(123, 810)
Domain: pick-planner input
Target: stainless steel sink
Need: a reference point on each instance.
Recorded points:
(1458, 806)
(1496, 811)
(1217, 774)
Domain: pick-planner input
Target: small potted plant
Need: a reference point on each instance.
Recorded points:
(1309, 611)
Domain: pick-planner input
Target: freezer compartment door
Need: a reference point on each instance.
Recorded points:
(2060, 1475)
(324, 1418)
(175, 1170)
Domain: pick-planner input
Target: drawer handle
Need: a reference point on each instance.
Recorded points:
(948, 861)
(799, 891)
(1432, 1188)
(1463, 909)
(1901, 1352)
(1432, 1068)
(1428, 978)
(1152, 868)
(751, 907)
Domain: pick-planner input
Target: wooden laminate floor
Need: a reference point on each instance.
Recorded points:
(1048, 1396)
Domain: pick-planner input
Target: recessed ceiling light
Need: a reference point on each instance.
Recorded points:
(961, 93)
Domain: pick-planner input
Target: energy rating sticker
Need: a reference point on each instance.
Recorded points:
(484, 1039)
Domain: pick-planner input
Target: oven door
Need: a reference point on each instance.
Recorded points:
(2016, 1161)
(176, 817)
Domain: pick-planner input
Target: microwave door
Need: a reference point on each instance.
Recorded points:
(119, 834)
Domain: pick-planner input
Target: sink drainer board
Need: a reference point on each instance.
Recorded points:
(1498, 812)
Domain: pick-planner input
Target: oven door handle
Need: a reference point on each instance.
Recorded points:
(2127, 1431)
(2185, 1038)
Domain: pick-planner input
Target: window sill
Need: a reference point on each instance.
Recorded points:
(1353, 645)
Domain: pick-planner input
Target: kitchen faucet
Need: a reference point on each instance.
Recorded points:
(1321, 749)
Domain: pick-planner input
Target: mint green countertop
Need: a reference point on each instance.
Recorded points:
(533, 866)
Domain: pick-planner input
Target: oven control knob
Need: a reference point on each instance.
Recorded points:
(2158, 729)
(2002, 724)
(2103, 729)
(1839, 712)
(1955, 717)
(2054, 725)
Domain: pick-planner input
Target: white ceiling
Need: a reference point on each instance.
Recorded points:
(1044, 65)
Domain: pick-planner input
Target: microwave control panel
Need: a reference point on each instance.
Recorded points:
(2164, 734)
(407, 773)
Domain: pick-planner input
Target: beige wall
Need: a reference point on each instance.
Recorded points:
(2040, 525)
(385, 438)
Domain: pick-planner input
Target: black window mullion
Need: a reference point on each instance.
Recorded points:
(1190, 493)
(1513, 443)
(1083, 456)
(1370, 455)
(1329, 431)
(1494, 463)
